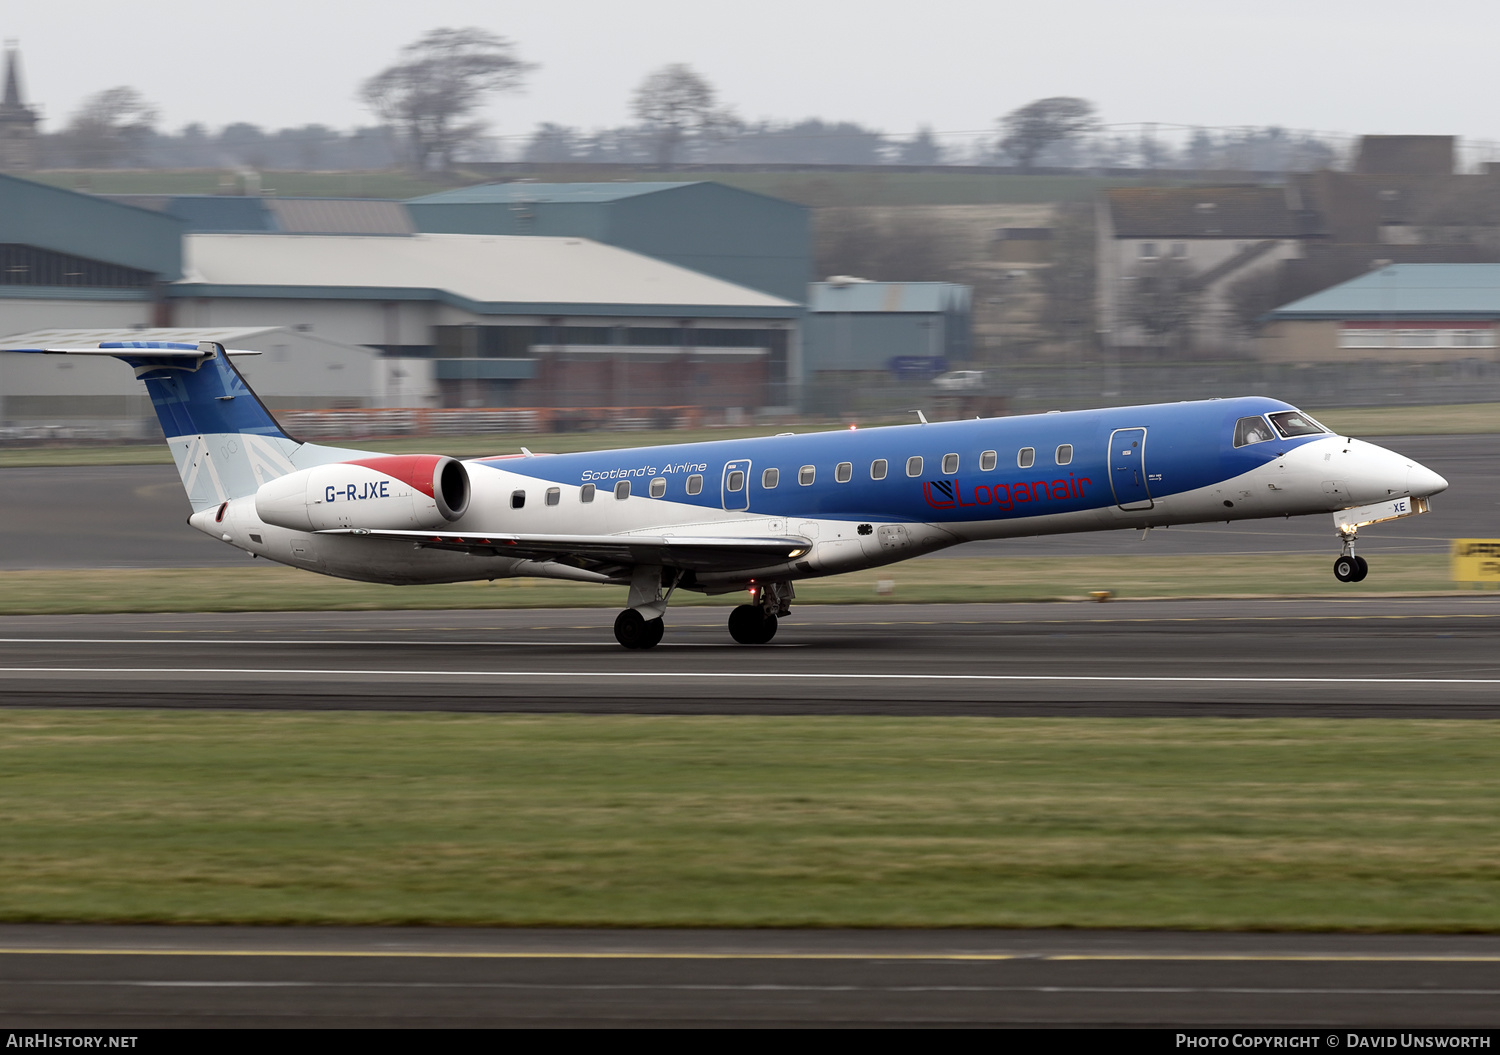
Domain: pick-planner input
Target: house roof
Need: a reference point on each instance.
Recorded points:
(1203, 212)
(859, 297)
(492, 274)
(508, 193)
(1406, 291)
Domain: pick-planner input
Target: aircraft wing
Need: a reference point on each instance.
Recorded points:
(608, 552)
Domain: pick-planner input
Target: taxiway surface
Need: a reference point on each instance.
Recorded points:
(142, 977)
(1388, 657)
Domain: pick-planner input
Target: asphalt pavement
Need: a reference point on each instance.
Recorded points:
(126, 978)
(1388, 657)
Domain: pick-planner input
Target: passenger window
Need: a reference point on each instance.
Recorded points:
(1064, 454)
(622, 490)
(1251, 430)
(878, 468)
(914, 465)
(987, 461)
(554, 495)
(1026, 457)
(518, 499)
(770, 478)
(658, 487)
(1292, 423)
(736, 481)
(806, 475)
(586, 493)
(950, 464)
(843, 472)
(695, 484)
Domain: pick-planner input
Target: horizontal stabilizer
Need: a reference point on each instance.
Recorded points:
(136, 350)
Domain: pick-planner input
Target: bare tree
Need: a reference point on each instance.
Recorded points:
(1069, 283)
(1034, 127)
(442, 78)
(1164, 301)
(110, 128)
(674, 103)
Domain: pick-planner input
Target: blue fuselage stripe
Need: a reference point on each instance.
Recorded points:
(1187, 446)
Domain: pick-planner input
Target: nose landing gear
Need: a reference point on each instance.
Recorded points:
(1348, 567)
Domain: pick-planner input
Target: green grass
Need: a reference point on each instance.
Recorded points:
(1459, 419)
(745, 821)
(262, 586)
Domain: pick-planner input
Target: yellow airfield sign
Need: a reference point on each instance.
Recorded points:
(1476, 560)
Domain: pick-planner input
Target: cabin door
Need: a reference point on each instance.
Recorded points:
(736, 485)
(1127, 469)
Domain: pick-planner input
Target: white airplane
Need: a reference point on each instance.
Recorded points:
(754, 515)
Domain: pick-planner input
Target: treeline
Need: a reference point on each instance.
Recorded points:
(428, 105)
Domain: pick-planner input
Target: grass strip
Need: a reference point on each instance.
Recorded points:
(749, 821)
(262, 586)
(1457, 419)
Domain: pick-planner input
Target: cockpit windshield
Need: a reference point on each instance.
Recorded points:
(1295, 423)
(1252, 430)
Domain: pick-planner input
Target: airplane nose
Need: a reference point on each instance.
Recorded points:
(1422, 482)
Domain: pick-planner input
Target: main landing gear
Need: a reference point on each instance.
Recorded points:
(1348, 567)
(755, 623)
(640, 626)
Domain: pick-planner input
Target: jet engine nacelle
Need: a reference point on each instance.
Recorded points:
(398, 493)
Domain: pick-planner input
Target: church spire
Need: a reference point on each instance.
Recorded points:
(12, 100)
(18, 142)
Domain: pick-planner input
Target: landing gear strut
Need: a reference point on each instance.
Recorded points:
(1348, 567)
(755, 623)
(640, 626)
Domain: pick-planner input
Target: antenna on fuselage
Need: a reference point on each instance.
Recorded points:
(920, 416)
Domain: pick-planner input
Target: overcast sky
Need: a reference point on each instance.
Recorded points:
(1386, 66)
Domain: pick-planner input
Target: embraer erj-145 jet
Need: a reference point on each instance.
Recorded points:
(752, 515)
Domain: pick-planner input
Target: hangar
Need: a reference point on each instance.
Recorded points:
(508, 320)
(744, 238)
(72, 259)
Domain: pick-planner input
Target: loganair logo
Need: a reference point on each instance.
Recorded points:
(954, 494)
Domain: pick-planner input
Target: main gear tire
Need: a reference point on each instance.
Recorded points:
(635, 631)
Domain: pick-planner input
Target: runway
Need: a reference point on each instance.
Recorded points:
(52, 519)
(1401, 657)
(125, 978)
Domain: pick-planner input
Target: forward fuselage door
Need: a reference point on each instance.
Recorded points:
(1127, 469)
(736, 484)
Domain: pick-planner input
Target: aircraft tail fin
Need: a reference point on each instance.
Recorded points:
(223, 439)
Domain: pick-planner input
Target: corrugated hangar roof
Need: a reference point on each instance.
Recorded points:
(340, 216)
(1202, 212)
(861, 297)
(483, 273)
(1406, 291)
(240, 214)
(516, 193)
